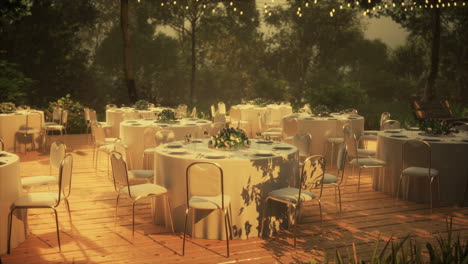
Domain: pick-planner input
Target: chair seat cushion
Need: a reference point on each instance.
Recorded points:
(107, 148)
(335, 140)
(28, 131)
(147, 174)
(419, 172)
(37, 199)
(330, 179)
(291, 195)
(366, 152)
(149, 150)
(142, 190)
(209, 202)
(368, 162)
(29, 182)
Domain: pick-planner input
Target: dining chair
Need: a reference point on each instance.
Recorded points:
(333, 139)
(57, 154)
(56, 116)
(27, 132)
(216, 127)
(110, 106)
(60, 127)
(101, 143)
(390, 124)
(416, 160)
(289, 125)
(222, 108)
(205, 191)
(181, 111)
(371, 135)
(338, 179)
(135, 176)
(164, 136)
(311, 177)
(87, 119)
(135, 192)
(302, 140)
(47, 199)
(356, 157)
(350, 111)
(149, 146)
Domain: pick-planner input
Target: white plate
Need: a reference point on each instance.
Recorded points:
(215, 155)
(282, 147)
(431, 139)
(173, 145)
(132, 121)
(263, 154)
(178, 151)
(190, 124)
(392, 131)
(136, 124)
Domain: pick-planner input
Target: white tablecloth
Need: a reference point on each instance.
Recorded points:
(247, 180)
(247, 112)
(10, 190)
(11, 123)
(320, 128)
(449, 156)
(132, 132)
(114, 116)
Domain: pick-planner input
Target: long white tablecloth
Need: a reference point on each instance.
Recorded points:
(114, 116)
(449, 155)
(247, 179)
(11, 123)
(10, 190)
(249, 113)
(320, 128)
(132, 133)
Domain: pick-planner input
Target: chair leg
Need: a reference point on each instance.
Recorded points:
(133, 219)
(226, 228)
(69, 211)
(359, 179)
(58, 231)
(339, 197)
(116, 210)
(10, 226)
(230, 222)
(431, 181)
(397, 195)
(263, 217)
(185, 231)
(320, 209)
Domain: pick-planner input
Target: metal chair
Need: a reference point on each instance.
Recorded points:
(356, 158)
(337, 180)
(61, 127)
(57, 154)
(47, 199)
(302, 140)
(371, 135)
(208, 195)
(2, 143)
(312, 177)
(101, 143)
(391, 124)
(32, 127)
(135, 176)
(134, 192)
(416, 160)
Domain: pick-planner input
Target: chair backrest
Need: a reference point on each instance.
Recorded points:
(306, 109)
(416, 153)
(57, 153)
(148, 136)
(350, 141)
(384, 117)
(302, 141)
(65, 177)
(194, 112)
(312, 174)
(222, 108)
(64, 120)
(261, 122)
(2, 143)
(391, 124)
(289, 125)
(109, 106)
(351, 111)
(86, 114)
(33, 120)
(164, 136)
(119, 172)
(212, 112)
(216, 127)
(181, 111)
(204, 179)
(92, 115)
(57, 114)
(98, 133)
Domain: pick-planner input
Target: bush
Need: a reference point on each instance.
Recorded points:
(75, 123)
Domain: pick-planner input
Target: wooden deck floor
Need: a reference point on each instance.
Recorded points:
(367, 216)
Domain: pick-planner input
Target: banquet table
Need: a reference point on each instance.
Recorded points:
(114, 116)
(249, 175)
(249, 115)
(132, 133)
(10, 123)
(10, 190)
(449, 155)
(320, 128)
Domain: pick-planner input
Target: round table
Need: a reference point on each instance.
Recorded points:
(249, 175)
(249, 114)
(114, 116)
(320, 128)
(12, 122)
(449, 155)
(10, 190)
(132, 133)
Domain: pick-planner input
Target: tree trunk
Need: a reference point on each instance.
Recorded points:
(127, 54)
(194, 62)
(429, 91)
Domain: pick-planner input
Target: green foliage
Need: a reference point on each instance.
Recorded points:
(13, 83)
(166, 115)
(337, 96)
(229, 138)
(7, 108)
(400, 110)
(435, 126)
(76, 122)
(321, 110)
(141, 105)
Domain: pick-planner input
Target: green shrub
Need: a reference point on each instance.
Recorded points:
(75, 122)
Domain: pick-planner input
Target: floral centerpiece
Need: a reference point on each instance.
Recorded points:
(259, 102)
(7, 108)
(230, 138)
(435, 127)
(321, 110)
(141, 105)
(166, 115)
